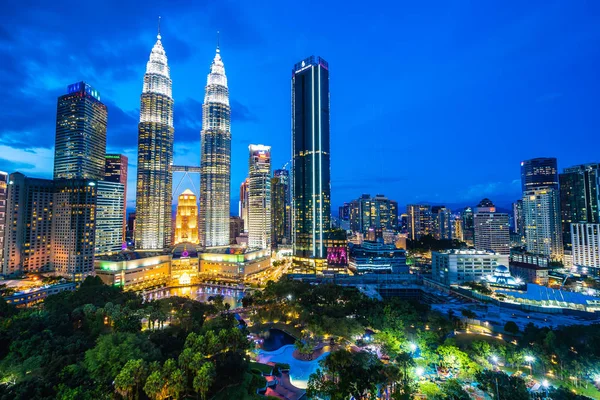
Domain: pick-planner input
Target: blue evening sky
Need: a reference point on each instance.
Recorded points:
(431, 101)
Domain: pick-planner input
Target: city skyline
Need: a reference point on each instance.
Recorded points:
(528, 92)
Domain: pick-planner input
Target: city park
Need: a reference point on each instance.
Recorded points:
(99, 342)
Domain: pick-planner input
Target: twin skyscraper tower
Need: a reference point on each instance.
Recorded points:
(155, 157)
(310, 175)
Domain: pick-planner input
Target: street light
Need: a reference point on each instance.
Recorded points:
(545, 384)
(530, 360)
(494, 360)
(419, 371)
(413, 347)
(289, 296)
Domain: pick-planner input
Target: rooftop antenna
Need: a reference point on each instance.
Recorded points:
(218, 42)
(158, 36)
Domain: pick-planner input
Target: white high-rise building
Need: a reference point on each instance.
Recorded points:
(492, 230)
(585, 239)
(215, 159)
(259, 197)
(541, 209)
(110, 203)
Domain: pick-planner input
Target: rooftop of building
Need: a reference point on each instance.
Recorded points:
(467, 252)
(128, 255)
(536, 267)
(544, 294)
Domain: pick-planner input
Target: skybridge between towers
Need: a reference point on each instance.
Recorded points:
(187, 170)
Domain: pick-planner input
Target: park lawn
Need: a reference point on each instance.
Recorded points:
(264, 368)
(463, 340)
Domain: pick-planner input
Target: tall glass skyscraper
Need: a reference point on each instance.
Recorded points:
(281, 208)
(215, 158)
(80, 134)
(579, 197)
(259, 196)
(155, 155)
(311, 185)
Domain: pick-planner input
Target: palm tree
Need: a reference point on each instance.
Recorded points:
(204, 379)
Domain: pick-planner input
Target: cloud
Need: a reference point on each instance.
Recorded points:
(27, 161)
(241, 113)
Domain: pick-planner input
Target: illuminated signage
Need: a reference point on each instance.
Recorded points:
(82, 87)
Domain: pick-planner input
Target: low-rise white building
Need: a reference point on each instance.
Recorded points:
(460, 266)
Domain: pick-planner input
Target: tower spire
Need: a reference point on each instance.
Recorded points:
(158, 35)
(218, 45)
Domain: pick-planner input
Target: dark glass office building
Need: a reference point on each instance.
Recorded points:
(80, 134)
(539, 173)
(579, 197)
(280, 207)
(311, 192)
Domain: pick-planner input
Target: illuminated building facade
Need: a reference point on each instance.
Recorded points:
(441, 222)
(457, 228)
(311, 182)
(186, 221)
(419, 220)
(538, 173)
(586, 245)
(460, 266)
(543, 234)
(281, 208)
(115, 170)
(259, 196)
(80, 134)
(377, 257)
(184, 264)
(579, 197)
(155, 155)
(468, 225)
(492, 231)
(3, 195)
(519, 222)
(74, 227)
(215, 158)
(368, 212)
(243, 208)
(28, 234)
(137, 270)
(234, 262)
(110, 202)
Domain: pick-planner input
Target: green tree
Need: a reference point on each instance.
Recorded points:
(508, 387)
(127, 383)
(112, 352)
(511, 327)
(453, 390)
(204, 379)
(155, 386)
(429, 389)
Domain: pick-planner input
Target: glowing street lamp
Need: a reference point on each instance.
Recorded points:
(545, 384)
(419, 371)
(494, 360)
(530, 360)
(413, 347)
